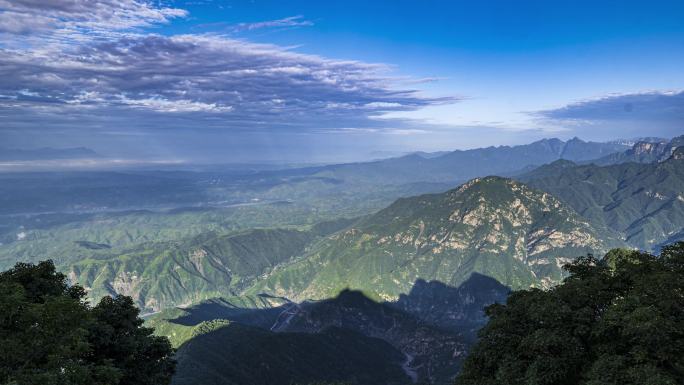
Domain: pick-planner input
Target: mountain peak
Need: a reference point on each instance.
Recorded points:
(493, 226)
(497, 189)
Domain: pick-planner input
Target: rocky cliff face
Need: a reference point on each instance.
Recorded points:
(645, 152)
(678, 153)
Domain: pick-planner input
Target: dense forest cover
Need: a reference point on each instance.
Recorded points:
(50, 335)
(617, 320)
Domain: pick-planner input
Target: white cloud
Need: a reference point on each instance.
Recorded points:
(287, 22)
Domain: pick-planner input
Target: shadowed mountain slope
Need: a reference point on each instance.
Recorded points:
(235, 354)
(432, 346)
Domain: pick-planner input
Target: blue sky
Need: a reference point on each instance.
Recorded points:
(331, 81)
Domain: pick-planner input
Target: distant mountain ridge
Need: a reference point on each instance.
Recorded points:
(162, 275)
(462, 165)
(633, 141)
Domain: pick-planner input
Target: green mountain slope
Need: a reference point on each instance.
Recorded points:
(162, 275)
(643, 202)
(493, 226)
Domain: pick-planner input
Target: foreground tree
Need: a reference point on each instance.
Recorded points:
(50, 335)
(618, 320)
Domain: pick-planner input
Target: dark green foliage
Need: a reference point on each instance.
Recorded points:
(50, 335)
(619, 320)
(117, 335)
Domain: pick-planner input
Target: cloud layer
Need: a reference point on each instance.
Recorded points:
(72, 16)
(89, 61)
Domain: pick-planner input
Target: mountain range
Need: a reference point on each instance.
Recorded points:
(493, 226)
(364, 273)
(462, 165)
(643, 202)
(162, 275)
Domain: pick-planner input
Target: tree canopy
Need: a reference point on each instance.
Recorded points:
(49, 334)
(617, 320)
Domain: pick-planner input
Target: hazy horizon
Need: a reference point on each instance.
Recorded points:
(102, 161)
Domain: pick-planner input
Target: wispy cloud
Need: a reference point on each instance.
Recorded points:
(223, 81)
(287, 22)
(227, 28)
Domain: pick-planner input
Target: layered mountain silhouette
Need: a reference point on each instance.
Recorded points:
(462, 165)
